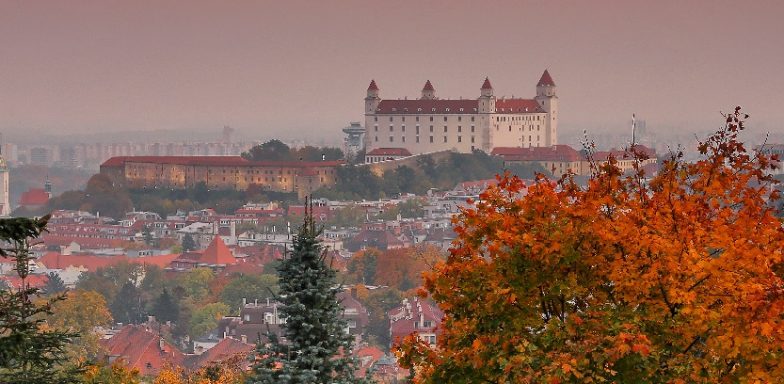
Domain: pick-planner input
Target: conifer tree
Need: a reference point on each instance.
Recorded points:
(54, 284)
(29, 353)
(316, 348)
(165, 308)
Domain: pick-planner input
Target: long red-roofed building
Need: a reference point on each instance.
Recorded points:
(220, 172)
(142, 349)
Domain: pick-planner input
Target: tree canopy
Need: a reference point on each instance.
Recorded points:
(676, 278)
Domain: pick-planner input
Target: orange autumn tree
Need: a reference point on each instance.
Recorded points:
(672, 279)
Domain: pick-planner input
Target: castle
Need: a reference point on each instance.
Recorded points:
(430, 124)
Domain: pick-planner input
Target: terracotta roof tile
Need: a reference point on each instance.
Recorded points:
(546, 79)
(389, 152)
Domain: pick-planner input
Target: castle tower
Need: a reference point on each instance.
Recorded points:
(428, 92)
(372, 99)
(547, 99)
(487, 100)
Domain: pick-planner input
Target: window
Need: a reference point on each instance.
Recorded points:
(444, 118)
(445, 129)
(445, 139)
(376, 138)
(391, 139)
(472, 118)
(431, 118)
(432, 110)
(431, 128)
(375, 128)
(403, 139)
(417, 118)
(375, 118)
(417, 129)
(459, 128)
(391, 128)
(404, 118)
(417, 139)
(447, 111)
(510, 128)
(460, 118)
(460, 139)
(472, 129)
(431, 139)
(472, 139)
(390, 118)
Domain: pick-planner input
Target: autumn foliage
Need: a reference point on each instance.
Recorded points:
(674, 278)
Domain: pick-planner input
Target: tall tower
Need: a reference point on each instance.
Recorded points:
(5, 204)
(485, 108)
(487, 100)
(372, 99)
(428, 92)
(547, 99)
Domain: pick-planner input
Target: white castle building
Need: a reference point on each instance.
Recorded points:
(430, 124)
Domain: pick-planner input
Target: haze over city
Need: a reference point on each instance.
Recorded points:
(299, 69)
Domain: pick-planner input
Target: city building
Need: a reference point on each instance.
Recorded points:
(5, 200)
(429, 124)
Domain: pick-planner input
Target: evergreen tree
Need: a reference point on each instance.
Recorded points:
(128, 305)
(28, 352)
(54, 284)
(188, 244)
(316, 348)
(165, 308)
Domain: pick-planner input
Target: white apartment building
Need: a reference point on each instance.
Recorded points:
(430, 124)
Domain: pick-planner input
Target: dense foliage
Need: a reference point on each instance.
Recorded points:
(359, 182)
(673, 279)
(316, 348)
(276, 150)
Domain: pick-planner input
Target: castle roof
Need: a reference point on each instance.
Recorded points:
(546, 79)
(455, 107)
(486, 84)
(373, 86)
(517, 106)
(428, 86)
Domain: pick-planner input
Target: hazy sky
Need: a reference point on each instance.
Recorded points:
(301, 68)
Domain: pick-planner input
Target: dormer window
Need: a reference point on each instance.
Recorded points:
(394, 109)
(433, 110)
(461, 109)
(419, 109)
(447, 109)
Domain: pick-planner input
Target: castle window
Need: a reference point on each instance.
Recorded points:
(431, 118)
(447, 111)
(391, 139)
(432, 109)
(460, 139)
(472, 128)
(375, 128)
(460, 118)
(403, 139)
(375, 118)
(445, 139)
(417, 118)
(417, 139)
(459, 128)
(390, 117)
(510, 128)
(472, 139)
(445, 116)
(431, 128)
(417, 129)
(419, 109)
(391, 127)
(403, 118)
(472, 117)
(431, 139)
(461, 110)
(445, 129)
(376, 138)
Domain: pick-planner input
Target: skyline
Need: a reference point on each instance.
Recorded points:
(271, 69)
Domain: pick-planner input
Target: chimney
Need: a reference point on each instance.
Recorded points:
(233, 229)
(244, 339)
(244, 302)
(161, 343)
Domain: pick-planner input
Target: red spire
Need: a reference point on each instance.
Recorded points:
(373, 86)
(428, 86)
(546, 79)
(487, 85)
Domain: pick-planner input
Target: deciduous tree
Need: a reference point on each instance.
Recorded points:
(672, 279)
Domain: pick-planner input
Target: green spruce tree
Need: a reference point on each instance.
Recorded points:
(54, 284)
(316, 348)
(29, 353)
(165, 308)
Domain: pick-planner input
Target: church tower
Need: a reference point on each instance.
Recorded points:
(428, 92)
(547, 99)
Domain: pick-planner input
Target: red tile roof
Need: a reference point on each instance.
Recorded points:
(34, 196)
(217, 253)
(227, 161)
(486, 84)
(558, 152)
(546, 79)
(372, 86)
(428, 86)
(428, 106)
(54, 260)
(224, 350)
(389, 152)
(142, 349)
(517, 106)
